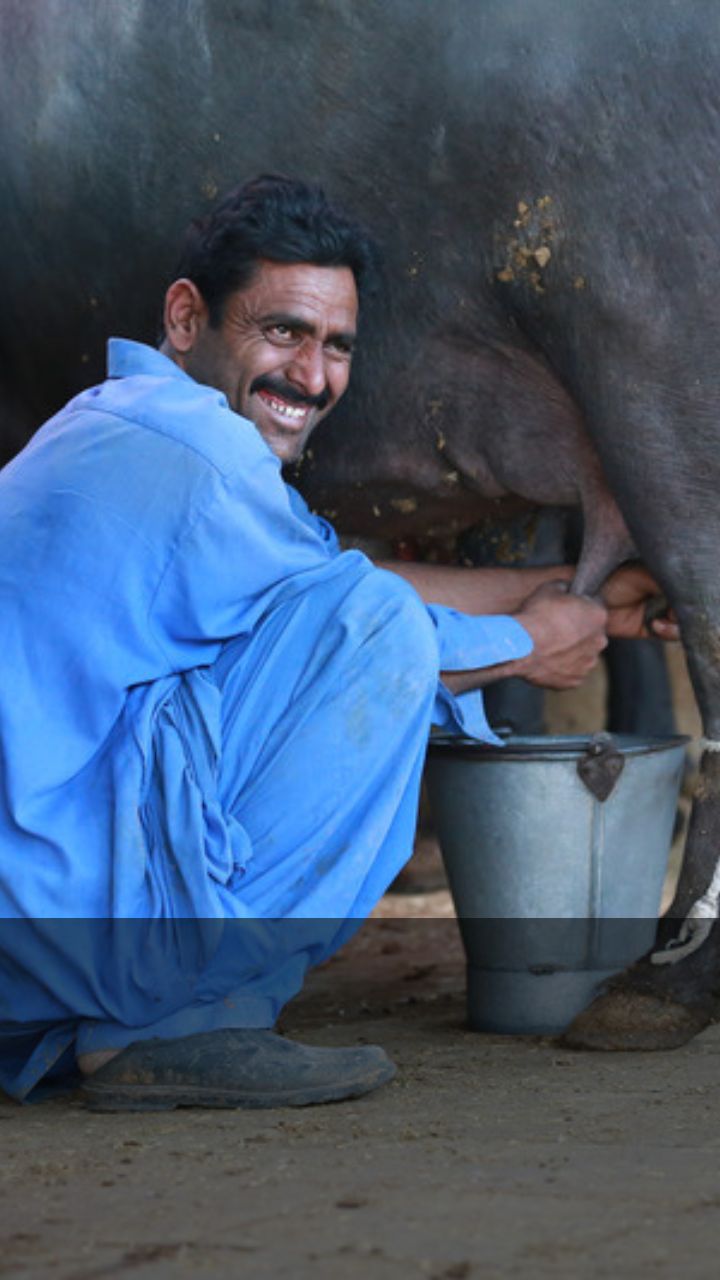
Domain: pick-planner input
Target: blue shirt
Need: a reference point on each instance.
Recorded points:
(142, 527)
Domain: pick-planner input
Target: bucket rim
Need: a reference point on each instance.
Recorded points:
(527, 747)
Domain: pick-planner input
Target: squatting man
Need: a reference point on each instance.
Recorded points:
(212, 720)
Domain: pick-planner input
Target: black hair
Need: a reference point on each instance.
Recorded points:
(278, 219)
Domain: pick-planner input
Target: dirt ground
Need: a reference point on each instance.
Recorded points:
(488, 1156)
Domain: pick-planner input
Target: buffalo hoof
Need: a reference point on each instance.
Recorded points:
(634, 1020)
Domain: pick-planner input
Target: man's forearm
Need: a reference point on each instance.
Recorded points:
(479, 678)
(567, 631)
(476, 591)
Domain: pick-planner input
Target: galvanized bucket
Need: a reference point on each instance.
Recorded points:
(556, 850)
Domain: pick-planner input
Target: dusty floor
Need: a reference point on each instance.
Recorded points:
(487, 1157)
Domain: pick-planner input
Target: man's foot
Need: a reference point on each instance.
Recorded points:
(233, 1068)
(89, 1063)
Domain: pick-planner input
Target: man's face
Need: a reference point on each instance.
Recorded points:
(283, 351)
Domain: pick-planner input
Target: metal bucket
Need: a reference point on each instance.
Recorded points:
(556, 850)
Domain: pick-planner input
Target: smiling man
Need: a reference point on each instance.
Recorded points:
(281, 350)
(212, 720)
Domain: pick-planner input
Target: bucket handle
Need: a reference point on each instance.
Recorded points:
(601, 766)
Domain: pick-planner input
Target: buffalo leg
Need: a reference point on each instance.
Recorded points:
(674, 992)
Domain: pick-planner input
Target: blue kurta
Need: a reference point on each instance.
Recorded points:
(209, 717)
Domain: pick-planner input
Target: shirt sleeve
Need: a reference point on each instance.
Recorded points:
(467, 643)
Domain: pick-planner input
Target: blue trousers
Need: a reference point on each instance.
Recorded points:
(281, 798)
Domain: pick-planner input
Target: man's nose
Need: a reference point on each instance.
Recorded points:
(307, 370)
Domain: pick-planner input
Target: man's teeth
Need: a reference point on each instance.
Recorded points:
(287, 410)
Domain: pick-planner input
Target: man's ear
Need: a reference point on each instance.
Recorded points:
(185, 316)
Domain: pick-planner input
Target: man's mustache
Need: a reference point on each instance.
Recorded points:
(285, 391)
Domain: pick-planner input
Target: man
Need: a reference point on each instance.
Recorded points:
(213, 722)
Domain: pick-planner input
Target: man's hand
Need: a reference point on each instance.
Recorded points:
(626, 595)
(568, 635)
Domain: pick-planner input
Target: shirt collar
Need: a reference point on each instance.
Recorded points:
(126, 358)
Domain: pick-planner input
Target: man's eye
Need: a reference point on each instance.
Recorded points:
(341, 347)
(282, 334)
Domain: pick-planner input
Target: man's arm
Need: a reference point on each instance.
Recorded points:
(568, 632)
(476, 591)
